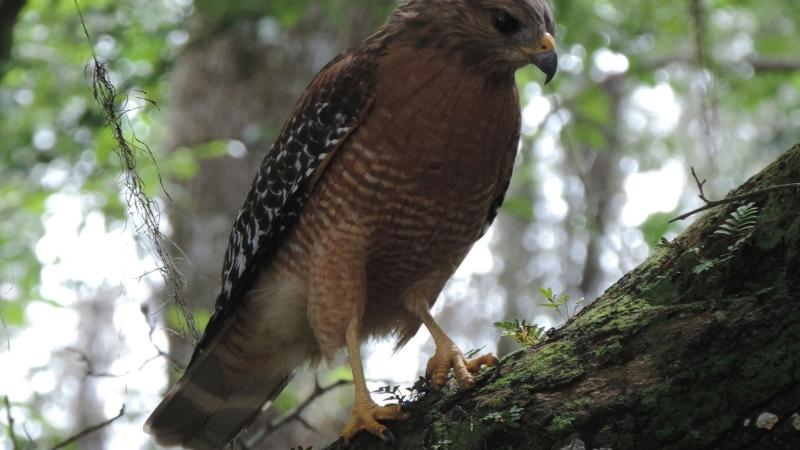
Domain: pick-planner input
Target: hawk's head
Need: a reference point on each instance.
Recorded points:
(494, 35)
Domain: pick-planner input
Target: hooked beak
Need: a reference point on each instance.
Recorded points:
(544, 56)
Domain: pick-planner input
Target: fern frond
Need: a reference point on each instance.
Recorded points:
(741, 222)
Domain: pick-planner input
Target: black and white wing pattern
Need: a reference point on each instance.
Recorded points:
(332, 107)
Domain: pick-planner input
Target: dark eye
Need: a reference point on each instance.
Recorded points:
(505, 23)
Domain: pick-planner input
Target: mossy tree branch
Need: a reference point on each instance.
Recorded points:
(667, 358)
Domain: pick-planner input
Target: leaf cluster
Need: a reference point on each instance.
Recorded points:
(523, 333)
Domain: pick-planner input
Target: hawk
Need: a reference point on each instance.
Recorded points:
(392, 164)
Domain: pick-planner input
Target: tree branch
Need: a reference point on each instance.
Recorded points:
(760, 65)
(10, 419)
(269, 428)
(714, 203)
(8, 334)
(774, 65)
(91, 429)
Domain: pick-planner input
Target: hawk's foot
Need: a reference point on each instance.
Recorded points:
(451, 357)
(365, 417)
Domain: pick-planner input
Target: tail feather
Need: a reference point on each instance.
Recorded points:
(210, 406)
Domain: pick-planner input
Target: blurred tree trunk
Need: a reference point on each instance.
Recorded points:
(9, 11)
(602, 183)
(96, 342)
(510, 232)
(694, 349)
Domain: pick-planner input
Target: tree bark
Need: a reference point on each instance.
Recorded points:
(667, 358)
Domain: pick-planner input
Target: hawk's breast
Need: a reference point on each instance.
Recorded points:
(414, 184)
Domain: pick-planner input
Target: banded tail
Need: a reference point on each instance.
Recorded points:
(211, 405)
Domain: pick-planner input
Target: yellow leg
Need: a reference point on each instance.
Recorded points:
(449, 356)
(366, 413)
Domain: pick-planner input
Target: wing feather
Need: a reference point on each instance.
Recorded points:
(332, 107)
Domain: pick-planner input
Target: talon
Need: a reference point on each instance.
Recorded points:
(365, 417)
(474, 365)
(444, 359)
(389, 437)
(496, 372)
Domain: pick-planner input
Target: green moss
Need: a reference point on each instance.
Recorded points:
(560, 425)
(616, 435)
(767, 238)
(620, 316)
(567, 419)
(663, 290)
(556, 363)
(716, 383)
(609, 352)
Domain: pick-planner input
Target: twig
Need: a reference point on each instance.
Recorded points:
(90, 370)
(10, 419)
(318, 392)
(774, 65)
(270, 428)
(28, 436)
(91, 429)
(179, 367)
(8, 335)
(714, 203)
(700, 185)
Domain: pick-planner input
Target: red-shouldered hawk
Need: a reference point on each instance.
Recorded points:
(393, 163)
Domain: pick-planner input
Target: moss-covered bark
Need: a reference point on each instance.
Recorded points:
(667, 358)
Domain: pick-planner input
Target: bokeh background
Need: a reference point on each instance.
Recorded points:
(646, 90)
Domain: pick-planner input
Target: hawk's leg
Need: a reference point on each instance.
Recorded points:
(449, 356)
(366, 413)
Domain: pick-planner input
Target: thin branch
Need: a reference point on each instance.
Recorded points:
(7, 333)
(319, 391)
(10, 419)
(759, 64)
(179, 367)
(28, 436)
(91, 429)
(700, 185)
(90, 370)
(269, 428)
(774, 65)
(736, 198)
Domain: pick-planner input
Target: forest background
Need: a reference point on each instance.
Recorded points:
(646, 90)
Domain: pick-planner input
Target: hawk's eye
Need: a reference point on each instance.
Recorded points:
(505, 23)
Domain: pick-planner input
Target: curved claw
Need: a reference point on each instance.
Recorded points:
(444, 359)
(496, 372)
(366, 417)
(474, 365)
(389, 437)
